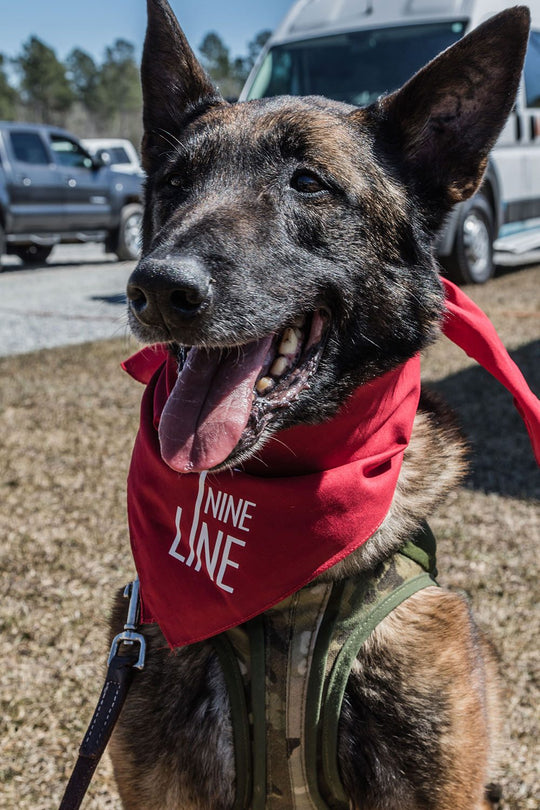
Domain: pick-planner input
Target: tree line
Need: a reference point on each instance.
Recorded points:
(100, 99)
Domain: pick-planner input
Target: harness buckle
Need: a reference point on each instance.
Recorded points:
(129, 636)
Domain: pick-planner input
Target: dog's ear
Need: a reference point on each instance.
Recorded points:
(173, 82)
(449, 115)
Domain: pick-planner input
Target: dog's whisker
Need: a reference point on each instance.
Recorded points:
(275, 440)
(172, 140)
(367, 339)
(256, 457)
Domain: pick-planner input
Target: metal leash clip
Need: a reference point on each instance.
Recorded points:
(129, 636)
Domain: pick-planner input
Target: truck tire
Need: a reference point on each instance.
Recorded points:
(471, 259)
(32, 254)
(128, 240)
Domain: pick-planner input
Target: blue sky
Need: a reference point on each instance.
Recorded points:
(64, 24)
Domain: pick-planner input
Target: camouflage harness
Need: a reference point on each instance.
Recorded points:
(286, 674)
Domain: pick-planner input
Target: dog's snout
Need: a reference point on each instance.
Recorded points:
(169, 292)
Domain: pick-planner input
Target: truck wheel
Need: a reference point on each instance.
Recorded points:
(471, 260)
(128, 244)
(33, 254)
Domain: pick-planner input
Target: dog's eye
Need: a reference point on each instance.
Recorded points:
(174, 180)
(307, 183)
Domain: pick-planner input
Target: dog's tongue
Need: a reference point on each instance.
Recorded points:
(209, 406)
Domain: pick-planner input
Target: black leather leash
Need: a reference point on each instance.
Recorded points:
(124, 661)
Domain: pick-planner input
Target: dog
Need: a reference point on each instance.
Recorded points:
(288, 244)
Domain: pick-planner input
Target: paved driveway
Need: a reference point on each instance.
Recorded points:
(78, 295)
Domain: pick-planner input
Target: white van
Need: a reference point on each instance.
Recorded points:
(355, 50)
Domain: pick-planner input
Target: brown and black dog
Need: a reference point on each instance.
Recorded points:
(257, 215)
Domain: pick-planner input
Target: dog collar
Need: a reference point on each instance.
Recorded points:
(212, 550)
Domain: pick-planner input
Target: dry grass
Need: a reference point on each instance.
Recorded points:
(67, 421)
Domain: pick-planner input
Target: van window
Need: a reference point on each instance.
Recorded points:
(532, 71)
(355, 67)
(29, 148)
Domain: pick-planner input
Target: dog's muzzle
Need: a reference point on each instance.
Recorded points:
(171, 293)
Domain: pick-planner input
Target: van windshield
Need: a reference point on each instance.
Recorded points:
(356, 67)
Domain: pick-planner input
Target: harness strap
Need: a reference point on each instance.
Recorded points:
(422, 548)
(240, 719)
(255, 630)
(338, 667)
(291, 633)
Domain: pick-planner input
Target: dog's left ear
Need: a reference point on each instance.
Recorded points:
(448, 116)
(173, 81)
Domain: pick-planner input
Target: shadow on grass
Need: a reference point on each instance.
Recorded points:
(501, 458)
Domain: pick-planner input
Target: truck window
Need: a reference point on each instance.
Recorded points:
(29, 148)
(69, 153)
(355, 67)
(532, 71)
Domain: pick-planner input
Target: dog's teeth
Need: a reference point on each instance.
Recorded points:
(279, 366)
(264, 385)
(289, 341)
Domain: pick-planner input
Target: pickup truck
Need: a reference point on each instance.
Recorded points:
(53, 191)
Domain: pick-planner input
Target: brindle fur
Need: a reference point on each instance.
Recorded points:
(419, 722)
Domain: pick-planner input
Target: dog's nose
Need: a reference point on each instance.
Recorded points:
(169, 291)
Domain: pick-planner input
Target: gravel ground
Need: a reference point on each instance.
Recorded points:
(68, 417)
(79, 295)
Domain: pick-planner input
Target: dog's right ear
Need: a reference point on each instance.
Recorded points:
(173, 82)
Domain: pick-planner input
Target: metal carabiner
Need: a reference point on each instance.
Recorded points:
(129, 636)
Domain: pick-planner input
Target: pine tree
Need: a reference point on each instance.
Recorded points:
(119, 91)
(44, 87)
(83, 76)
(8, 95)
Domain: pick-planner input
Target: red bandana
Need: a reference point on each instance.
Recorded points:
(213, 550)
